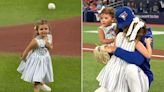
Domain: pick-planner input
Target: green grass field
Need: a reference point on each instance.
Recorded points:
(92, 38)
(92, 68)
(66, 74)
(28, 11)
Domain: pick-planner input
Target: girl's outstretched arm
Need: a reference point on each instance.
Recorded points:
(102, 38)
(31, 45)
(147, 52)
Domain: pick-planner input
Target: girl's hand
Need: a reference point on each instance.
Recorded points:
(45, 39)
(47, 44)
(21, 58)
(111, 49)
(148, 41)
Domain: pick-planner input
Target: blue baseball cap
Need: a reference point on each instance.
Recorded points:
(124, 16)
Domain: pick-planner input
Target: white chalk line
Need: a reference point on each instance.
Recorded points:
(159, 56)
(90, 49)
(154, 32)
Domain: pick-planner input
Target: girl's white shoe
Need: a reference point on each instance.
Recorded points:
(45, 88)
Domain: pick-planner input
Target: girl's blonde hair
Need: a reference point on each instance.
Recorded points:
(40, 22)
(101, 54)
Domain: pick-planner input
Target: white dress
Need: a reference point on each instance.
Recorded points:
(38, 65)
(109, 32)
(112, 76)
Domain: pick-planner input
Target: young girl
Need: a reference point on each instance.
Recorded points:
(115, 76)
(107, 29)
(36, 65)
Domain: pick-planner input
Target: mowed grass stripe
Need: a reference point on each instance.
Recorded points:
(14, 12)
(67, 72)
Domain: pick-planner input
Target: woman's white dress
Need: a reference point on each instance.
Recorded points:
(38, 65)
(112, 76)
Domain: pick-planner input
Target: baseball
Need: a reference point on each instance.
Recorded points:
(51, 6)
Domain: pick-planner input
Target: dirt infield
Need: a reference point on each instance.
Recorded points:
(66, 37)
(157, 54)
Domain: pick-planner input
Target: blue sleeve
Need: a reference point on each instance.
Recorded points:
(134, 57)
(130, 57)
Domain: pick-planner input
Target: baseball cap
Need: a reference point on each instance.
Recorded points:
(124, 16)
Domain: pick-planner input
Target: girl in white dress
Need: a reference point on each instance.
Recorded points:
(36, 65)
(106, 34)
(107, 29)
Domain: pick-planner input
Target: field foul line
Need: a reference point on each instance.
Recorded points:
(154, 32)
(90, 49)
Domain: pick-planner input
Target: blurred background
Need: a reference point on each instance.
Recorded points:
(150, 10)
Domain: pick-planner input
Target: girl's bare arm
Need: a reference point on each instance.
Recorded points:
(102, 38)
(31, 45)
(147, 52)
(111, 49)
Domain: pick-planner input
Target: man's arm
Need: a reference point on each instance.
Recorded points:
(133, 57)
(130, 57)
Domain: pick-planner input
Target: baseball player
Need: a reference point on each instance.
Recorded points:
(119, 75)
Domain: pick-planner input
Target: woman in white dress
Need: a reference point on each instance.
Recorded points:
(113, 77)
(36, 65)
